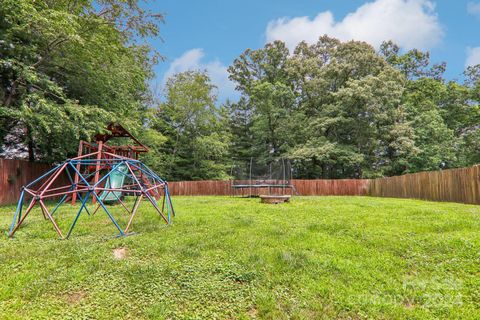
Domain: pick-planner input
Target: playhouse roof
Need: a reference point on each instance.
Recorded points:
(116, 130)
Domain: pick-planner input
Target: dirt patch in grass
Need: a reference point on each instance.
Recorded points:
(408, 304)
(120, 253)
(253, 313)
(75, 297)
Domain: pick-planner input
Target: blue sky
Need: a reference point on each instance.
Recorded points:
(210, 34)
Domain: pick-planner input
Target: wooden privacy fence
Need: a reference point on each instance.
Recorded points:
(341, 187)
(14, 174)
(200, 188)
(454, 185)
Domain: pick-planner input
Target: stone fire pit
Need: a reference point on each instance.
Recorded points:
(275, 199)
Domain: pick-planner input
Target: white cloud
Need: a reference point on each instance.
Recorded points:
(192, 60)
(409, 23)
(473, 8)
(473, 56)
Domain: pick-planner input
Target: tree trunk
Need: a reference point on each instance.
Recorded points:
(9, 98)
(31, 151)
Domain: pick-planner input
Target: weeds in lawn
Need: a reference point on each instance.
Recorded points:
(229, 258)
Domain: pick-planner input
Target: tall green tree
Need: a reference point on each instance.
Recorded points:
(470, 131)
(240, 121)
(352, 98)
(342, 109)
(268, 98)
(69, 67)
(442, 113)
(196, 130)
(334, 107)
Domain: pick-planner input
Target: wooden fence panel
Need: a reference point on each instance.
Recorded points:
(200, 188)
(14, 174)
(323, 187)
(454, 185)
(303, 187)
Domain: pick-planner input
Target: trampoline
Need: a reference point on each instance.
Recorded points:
(254, 178)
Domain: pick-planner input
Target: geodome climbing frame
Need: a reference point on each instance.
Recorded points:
(102, 177)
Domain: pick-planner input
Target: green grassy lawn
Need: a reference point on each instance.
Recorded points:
(232, 258)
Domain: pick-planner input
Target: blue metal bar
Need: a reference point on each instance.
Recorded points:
(21, 209)
(86, 208)
(154, 203)
(69, 175)
(44, 175)
(126, 175)
(79, 174)
(17, 211)
(169, 199)
(150, 174)
(134, 203)
(95, 161)
(108, 213)
(78, 214)
(108, 174)
(91, 174)
(167, 204)
(74, 186)
(96, 196)
(61, 201)
(153, 173)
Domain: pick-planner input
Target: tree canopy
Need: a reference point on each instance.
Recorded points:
(69, 67)
(196, 131)
(342, 109)
(337, 109)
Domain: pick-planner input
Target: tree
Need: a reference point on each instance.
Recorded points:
(353, 98)
(240, 121)
(196, 130)
(334, 107)
(268, 100)
(470, 130)
(443, 114)
(69, 67)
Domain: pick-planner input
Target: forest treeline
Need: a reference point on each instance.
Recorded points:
(336, 109)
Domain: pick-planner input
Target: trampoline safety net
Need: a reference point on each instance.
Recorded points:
(252, 179)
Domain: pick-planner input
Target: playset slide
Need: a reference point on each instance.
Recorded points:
(114, 181)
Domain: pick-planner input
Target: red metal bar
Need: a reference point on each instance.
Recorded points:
(63, 193)
(79, 154)
(30, 206)
(51, 219)
(155, 186)
(97, 168)
(54, 177)
(49, 179)
(96, 209)
(121, 202)
(134, 211)
(120, 190)
(117, 156)
(86, 155)
(158, 210)
(58, 188)
(31, 192)
(133, 174)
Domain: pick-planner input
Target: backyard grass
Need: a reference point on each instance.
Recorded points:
(232, 258)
